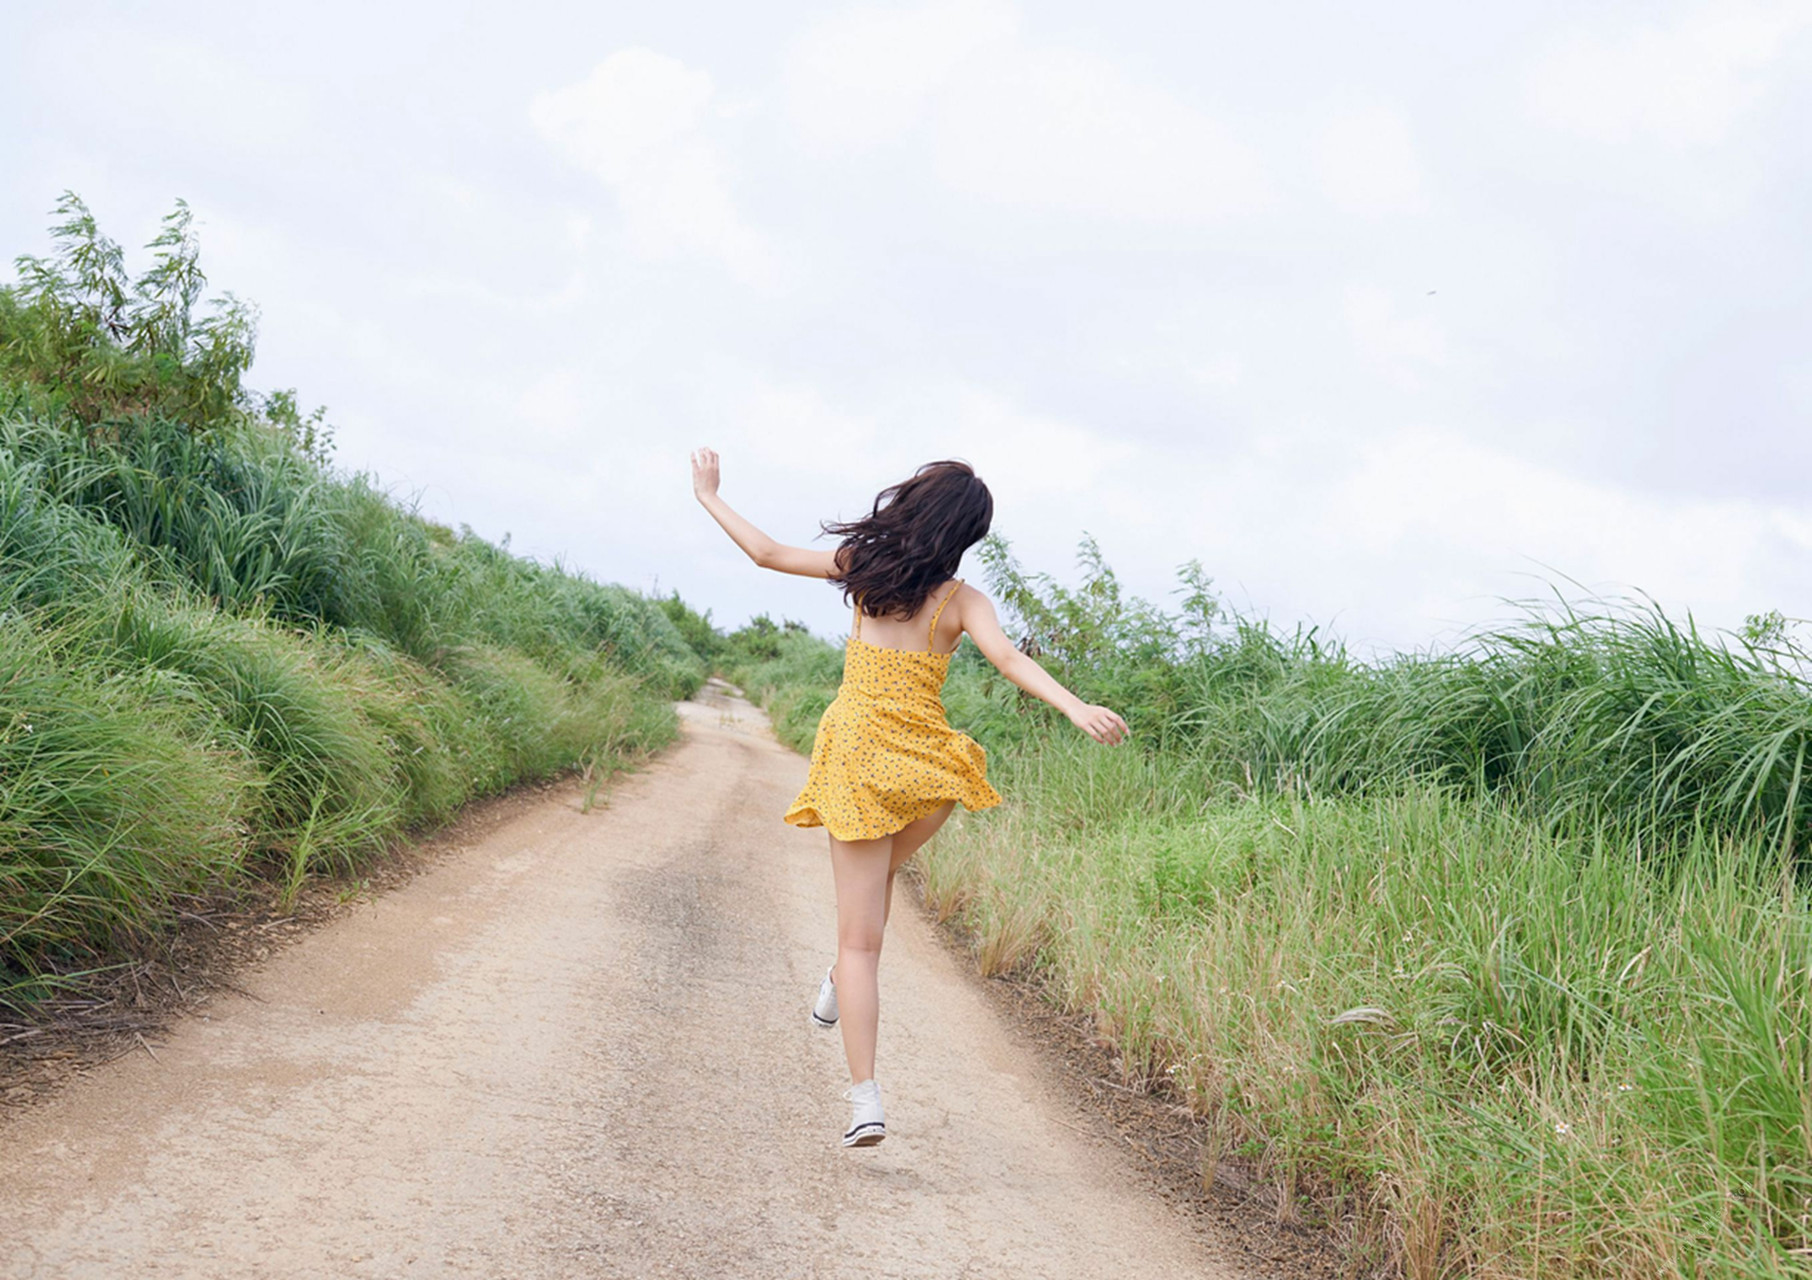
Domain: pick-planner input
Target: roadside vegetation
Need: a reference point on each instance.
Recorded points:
(1498, 959)
(223, 659)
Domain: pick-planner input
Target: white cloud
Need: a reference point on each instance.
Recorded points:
(635, 122)
(1017, 252)
(194, 95)
(1481, 509)
(864, 76)
(554, 408)
(794, 425)
(1404, 539)
(1687, 82)
(1221, 371)
(1063, 129)
(1039, 456)
(440, 289)
(1367, 163)
(1402, 347)
(1042, 127)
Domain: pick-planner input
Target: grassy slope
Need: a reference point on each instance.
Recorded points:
(218, 657)
(158, 739)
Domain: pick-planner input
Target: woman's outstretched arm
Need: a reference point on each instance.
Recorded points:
(979, 620)
(760, 548)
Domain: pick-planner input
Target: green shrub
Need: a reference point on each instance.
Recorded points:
(694, 628)
(100, 344)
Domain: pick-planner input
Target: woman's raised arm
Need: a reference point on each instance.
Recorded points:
(760, 548)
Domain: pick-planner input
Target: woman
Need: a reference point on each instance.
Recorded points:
(887, 768)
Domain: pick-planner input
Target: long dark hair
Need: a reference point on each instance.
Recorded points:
(913, 540)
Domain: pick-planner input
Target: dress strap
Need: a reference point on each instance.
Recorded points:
(931, 637)
(858, 620)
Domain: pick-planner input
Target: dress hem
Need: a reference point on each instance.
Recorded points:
(805, 816)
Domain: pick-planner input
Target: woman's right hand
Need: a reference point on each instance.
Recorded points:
(704, 472)
(1100, 724)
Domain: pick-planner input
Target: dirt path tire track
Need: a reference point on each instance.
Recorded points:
(579, 1048)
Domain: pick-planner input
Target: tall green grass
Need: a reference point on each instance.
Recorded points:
(1595, 712)
(221, 657)
(1487, 1048)
(112, 800)
(1629, 716)
(344, 733)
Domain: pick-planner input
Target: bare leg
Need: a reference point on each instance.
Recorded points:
(908, 840)
(862, 869)
(864, 872)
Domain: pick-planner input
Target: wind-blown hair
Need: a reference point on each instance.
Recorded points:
(913, 540)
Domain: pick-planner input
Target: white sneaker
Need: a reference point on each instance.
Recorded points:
(867, 1123)
(824, 1012)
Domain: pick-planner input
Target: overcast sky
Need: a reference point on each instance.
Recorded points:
(1377, 310)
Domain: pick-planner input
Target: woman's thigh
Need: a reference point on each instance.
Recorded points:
(860, 869)
(911, 837)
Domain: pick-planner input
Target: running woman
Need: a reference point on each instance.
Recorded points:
(887, 769)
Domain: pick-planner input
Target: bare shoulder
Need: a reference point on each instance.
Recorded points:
(976, 618)
(972, 607)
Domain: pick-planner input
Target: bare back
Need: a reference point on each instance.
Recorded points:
(915, 633)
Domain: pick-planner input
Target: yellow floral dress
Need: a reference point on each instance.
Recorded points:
(885, 755)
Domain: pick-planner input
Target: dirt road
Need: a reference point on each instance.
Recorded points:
(579, 1047)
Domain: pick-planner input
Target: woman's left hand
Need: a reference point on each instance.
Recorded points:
(704, 472)
(1099, 723)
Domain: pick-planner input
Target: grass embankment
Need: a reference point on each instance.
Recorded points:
(222, 658)
(1501, 958)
